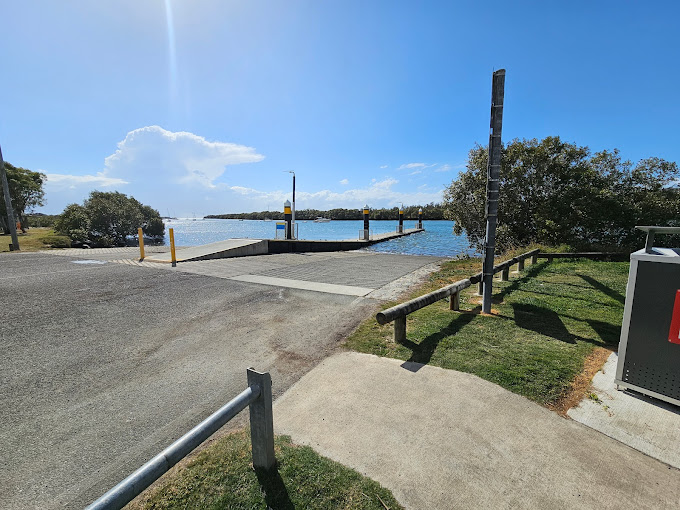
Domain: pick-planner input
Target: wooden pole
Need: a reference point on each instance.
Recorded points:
(493, 184)
(8, 204)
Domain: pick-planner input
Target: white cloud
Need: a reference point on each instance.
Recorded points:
(164, 169)
(344, 182)
(177, 158)
(416, 172)
(383, 166)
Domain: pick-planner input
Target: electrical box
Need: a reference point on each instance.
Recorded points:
(649, 349)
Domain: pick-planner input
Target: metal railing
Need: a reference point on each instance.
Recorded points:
(398, 313)
(258, 396)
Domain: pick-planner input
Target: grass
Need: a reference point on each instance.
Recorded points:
(222, 476)
(35, 239)
(546, 322)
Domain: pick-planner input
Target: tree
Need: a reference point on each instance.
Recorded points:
(26, 190)
(108, 219)
(553, 192)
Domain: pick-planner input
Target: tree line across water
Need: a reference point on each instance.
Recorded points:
(430, 212)
(551, 193)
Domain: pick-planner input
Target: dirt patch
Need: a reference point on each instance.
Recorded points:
(581, 384)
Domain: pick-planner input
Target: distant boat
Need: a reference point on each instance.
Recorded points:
(321, 219)
(267, 219)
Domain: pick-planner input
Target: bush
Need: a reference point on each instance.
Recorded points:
(108, 219)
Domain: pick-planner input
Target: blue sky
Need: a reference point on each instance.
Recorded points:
(199, 107)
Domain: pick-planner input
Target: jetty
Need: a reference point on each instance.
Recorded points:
(247, 247)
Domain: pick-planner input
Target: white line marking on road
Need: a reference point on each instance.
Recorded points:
(328, 288)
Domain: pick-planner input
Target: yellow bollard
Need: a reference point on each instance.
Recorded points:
(172, 248)
(140, 235)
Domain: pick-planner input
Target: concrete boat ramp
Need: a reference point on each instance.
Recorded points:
(248, 247)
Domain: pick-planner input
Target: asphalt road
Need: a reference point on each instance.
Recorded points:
(104, 364)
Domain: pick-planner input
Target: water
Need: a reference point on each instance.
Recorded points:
(438, 238)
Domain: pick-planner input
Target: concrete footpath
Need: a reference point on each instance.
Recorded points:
(444, 439)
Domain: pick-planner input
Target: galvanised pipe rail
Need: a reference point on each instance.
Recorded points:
(259, 389)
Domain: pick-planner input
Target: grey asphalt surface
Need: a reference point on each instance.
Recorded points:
(104, 364)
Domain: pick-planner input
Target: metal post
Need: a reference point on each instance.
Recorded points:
(262, 421)
(493, 184)
(401, 219)
(140, 235)
(172, 247)
(400, 329)
(420, 218)
(8, 205)
(288, 217)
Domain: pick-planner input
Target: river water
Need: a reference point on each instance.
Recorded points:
(438, 238)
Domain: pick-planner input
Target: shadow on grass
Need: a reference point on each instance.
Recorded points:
(608, 333)
(603, 288)
(275, 492)
(543, 321)
(530, 273)
(421, 353)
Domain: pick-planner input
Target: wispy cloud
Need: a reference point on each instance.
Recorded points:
(57, 181)
(383, 166)
(344, 182)
(410, 166)
(447, 168)
(416, 172)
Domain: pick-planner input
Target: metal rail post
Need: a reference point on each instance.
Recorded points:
(261, 421)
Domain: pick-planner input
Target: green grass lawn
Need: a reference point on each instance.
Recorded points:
(222, 476)
(546, 321)
(35, 238)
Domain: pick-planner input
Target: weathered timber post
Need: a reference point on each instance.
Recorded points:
(366, 228)
(454, 301)
(401, 220)
(420, 218)
(493, 184)
(400, 329)
(505, 275)
(534, 258)
(262, 421)
(11, 223)
(288, 218)
(520, 265)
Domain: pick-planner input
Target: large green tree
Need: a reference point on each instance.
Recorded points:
(553, 192)
(108, 219)
(26, 192)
